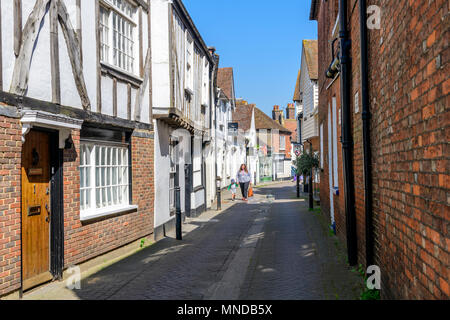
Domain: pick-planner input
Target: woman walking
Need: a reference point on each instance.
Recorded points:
(244, 179)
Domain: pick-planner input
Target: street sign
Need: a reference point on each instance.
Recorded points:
(233, 129)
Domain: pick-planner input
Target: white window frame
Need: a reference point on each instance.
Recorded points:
(205, 82)
(105, 178)
(189, 63)
(321, 145)
(172, 172)
(335, 144)
(127, 59)
(282, 145)
(279, 165)
(197, 162)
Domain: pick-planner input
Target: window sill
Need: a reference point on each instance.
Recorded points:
(95, 214)
(121, 74)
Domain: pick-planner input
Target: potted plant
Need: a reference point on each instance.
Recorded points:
(305, 163)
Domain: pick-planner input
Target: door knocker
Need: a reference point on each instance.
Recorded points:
(35, 157)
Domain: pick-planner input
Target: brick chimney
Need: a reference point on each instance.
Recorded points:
(278, 114)
(290, 111)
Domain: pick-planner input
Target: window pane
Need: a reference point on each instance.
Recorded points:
(88, 177)
(103, 156)
(114, 156)
(98, 197)
(88, 198)
(104, 197)
(97, 177)
(114, 175)
(109, 196)
(103, 175)
(108, 156)
(82, 184)
(125, 194)
(125, 157)
(114, 192)
(82, 199)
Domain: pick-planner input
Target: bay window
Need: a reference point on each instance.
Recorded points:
(104, 178)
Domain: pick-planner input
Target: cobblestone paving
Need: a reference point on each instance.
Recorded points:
(278, 249)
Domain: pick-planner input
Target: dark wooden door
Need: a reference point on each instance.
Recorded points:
(35, 209)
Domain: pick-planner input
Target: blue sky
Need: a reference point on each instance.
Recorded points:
(261, 40)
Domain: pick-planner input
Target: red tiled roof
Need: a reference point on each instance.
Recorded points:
(243, 115)
(312, 58)
(297, 87)
(225, 81)
(263, 121)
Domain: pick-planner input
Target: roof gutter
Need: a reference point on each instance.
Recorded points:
(346, 139)
(313, 11)
(366, 133)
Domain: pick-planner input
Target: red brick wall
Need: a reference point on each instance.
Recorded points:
(10, 177)
(358, 155)
(292, 126)
(86, 240)
(328, 90)
(409, 94)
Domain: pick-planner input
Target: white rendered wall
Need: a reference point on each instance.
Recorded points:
(160, 54)
(39, 84)
(162, 167)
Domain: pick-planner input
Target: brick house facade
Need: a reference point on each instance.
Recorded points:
(95, 119)
(10, 212)
(409, 77)
(86, 240)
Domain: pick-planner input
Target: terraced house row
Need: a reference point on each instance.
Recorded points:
(105, 106)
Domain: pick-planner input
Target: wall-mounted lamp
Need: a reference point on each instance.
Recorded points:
(334, 67)
(68, 144)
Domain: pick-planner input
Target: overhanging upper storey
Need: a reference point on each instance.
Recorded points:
(183, 66)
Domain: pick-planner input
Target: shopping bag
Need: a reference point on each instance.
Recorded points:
(250, 192)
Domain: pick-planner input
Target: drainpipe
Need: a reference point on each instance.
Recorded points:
(346, 139)
(366, 132)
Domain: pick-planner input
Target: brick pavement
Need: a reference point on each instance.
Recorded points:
(286, 251)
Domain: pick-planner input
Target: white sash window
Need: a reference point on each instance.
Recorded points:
(282, 143)
(104, 179)
(117, 34)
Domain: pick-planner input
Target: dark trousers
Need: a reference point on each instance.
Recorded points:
(244, 188)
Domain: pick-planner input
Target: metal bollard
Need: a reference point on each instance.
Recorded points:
(219, 199)
(219, 194)
(178, 213)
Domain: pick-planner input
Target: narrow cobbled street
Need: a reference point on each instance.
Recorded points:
(270, 248)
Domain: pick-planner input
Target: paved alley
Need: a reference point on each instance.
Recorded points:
(269, 248)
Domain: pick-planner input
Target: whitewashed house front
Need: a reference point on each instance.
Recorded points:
(76, 134)
(308, 98)
(182, 69)
(228, 153)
